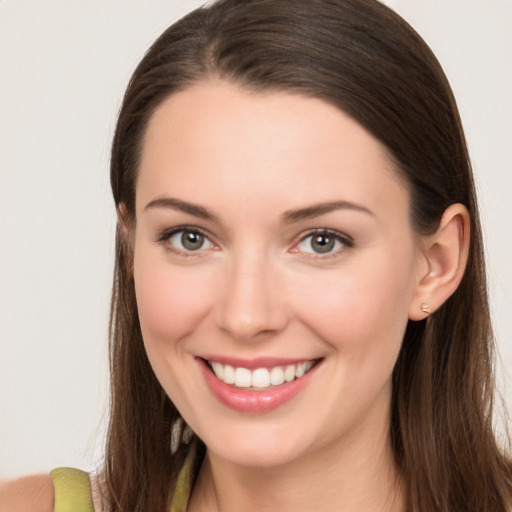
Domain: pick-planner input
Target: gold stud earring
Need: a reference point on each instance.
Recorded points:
(425, 307)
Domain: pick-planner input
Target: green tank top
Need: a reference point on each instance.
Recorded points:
(73, 489)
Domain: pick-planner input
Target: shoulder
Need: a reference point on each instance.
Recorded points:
(28, 494)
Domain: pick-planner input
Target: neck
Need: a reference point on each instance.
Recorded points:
(347, 476)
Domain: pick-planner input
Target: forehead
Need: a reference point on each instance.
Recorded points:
(214, 142)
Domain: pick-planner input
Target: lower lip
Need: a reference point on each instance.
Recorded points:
(251, 401)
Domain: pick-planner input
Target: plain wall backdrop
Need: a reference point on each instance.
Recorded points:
(63, 69)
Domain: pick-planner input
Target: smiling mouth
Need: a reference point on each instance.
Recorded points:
(260, 379)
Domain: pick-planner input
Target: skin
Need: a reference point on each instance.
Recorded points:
(27, 494)
(35, 493)
(256, 288)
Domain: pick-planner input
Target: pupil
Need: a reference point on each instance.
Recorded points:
(322, 243)
(192, 241)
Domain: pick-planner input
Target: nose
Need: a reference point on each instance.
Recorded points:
(253, 305)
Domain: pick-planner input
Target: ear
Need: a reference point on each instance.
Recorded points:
(126, 227)
(445, 257)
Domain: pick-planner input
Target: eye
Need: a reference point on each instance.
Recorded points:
(186, 240)
(323, 242)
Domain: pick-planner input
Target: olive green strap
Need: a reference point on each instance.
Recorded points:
(184, 483)
(72, 490)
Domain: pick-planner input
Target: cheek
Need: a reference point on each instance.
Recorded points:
(361, 308)
(171, 300)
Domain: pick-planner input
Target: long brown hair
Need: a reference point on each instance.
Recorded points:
(363, 58)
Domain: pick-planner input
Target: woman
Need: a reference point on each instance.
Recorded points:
(299, 315)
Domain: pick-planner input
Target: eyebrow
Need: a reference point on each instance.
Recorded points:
(183, 206)
(288, 217)
(316, 210)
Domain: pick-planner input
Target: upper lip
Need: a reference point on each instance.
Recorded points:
(258, 362)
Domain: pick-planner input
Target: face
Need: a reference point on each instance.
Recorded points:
(274, 267)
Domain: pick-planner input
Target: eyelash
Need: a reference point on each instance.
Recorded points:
(164, 239)
(345, 241)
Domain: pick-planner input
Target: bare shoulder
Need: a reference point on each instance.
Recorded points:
(27, 494)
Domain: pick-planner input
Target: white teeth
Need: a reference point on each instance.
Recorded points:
(243, 378)
(229, 374)
(218, 369)
(307, 366)
(302, 368)
(289, 373)
(276, 376)
(261, 377)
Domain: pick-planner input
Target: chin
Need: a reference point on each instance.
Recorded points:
(254, 456)
(256, 447)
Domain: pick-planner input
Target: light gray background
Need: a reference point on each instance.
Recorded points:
(63, 68)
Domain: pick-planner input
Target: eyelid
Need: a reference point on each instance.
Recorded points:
(164, 236)
(346, 241)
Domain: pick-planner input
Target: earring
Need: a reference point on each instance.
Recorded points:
(187, 434)
(180, 433)
(425, 307)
